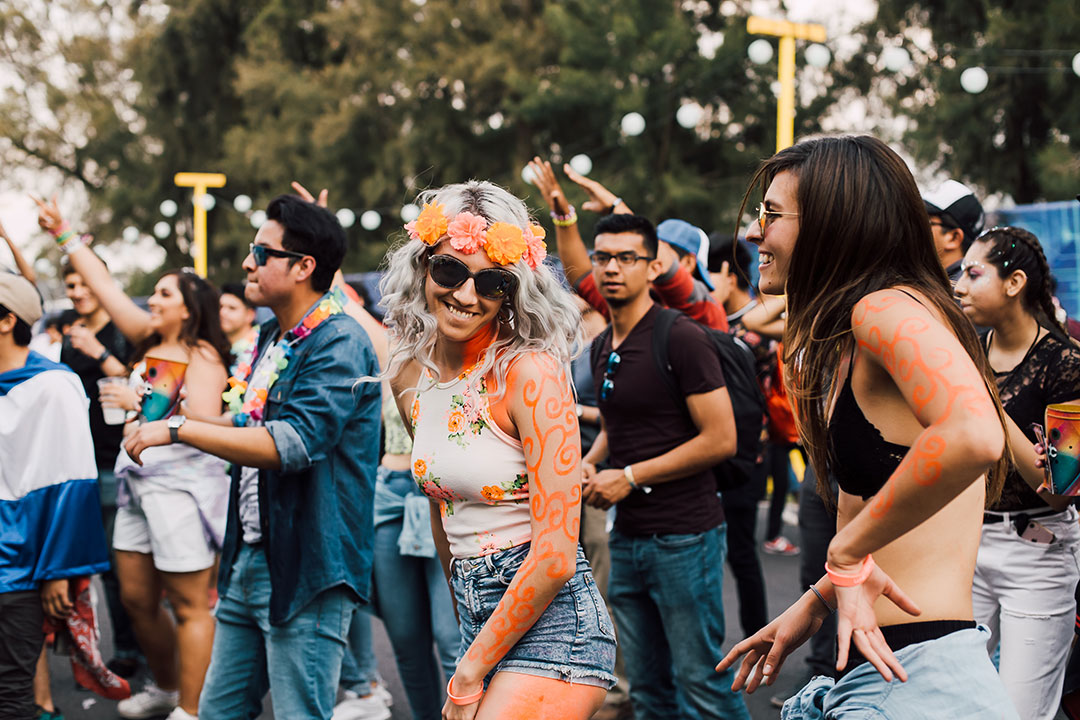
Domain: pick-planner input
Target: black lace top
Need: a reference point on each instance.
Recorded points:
(1049, 373)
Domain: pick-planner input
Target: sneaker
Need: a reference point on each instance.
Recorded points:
(378, 689)
(151, 702)
(180, 713)
(43, 714)
(780, 546)
(354, 707)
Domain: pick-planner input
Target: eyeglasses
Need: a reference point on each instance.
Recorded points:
(765, 217)
(262, 253)
(625, 259)
(451, 273)
(608, 383)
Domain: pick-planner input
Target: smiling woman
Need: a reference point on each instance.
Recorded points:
(481, 335)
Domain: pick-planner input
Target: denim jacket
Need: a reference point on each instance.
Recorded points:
(316, 511)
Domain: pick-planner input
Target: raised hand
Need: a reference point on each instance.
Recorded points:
(548, 185)
(601, 200)
(303, 192)
(49, 217)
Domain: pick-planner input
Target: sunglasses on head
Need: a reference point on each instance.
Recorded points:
(451, 273)
(262, 253)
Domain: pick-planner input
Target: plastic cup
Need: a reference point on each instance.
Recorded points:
(1063, 448)
(114, 414)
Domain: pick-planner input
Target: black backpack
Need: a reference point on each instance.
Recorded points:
(747, 402)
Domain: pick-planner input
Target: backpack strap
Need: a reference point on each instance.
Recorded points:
(661, 336)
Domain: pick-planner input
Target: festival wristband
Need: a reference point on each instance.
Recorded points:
(463, 699)
(60, 229)
(628, 473)
(74, 243)
(570, 218)
(845, 580)
(821, 597)
(615, 203)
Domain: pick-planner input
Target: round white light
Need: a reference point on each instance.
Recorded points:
(527, 175)
(689, 115)
(162, 229)
(168, 208)
(370, 220)
(241, 203)
(208, 202)
(346, 217)
(817, 55)
(1076, 63)
(974, 80)
(582, 164)
(632, 124)
(760, 51)
(258, 218)
(409, 212)
(131, 234)
(895, 58)
(496, 121)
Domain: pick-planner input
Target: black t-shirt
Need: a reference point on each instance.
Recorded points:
(1049, 373)
(107, 438)
(644, 421)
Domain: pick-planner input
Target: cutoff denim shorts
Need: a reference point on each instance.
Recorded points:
(573, 640)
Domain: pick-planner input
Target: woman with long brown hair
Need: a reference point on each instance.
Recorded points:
(895, 399)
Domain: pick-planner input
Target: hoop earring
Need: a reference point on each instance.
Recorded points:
(506, 315)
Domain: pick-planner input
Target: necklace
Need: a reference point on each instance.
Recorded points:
(253, 407)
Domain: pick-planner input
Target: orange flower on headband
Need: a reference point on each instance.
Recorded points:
(536, 249)
(431, 224)
(466, 232)
(505, 243)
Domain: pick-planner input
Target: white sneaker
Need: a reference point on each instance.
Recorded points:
(369, 707)
(150, 702)
(180, 713)
(378, 689)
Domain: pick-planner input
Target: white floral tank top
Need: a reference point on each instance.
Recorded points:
(474, 470)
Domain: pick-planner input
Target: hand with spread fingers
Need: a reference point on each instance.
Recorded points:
(321, 201)
(601, 200)
(548, 185)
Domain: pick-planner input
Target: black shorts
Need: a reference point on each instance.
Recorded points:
(21, 638)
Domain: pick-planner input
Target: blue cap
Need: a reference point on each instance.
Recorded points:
(688, 238)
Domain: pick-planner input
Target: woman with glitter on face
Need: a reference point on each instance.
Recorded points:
(481, 336)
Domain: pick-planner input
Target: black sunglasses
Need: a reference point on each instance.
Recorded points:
(451, 273)
(608, 383)
(262, 253)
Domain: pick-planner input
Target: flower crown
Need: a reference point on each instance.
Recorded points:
(504, 243)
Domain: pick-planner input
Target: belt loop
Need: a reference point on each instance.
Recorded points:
(489, 563)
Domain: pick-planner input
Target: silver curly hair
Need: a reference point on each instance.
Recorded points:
(542, 314)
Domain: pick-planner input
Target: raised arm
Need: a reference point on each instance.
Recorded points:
(571, 248)
(129, 318)
(541, 406)
(24, 268)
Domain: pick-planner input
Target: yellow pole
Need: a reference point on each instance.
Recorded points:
(199, 182)
(785, 106)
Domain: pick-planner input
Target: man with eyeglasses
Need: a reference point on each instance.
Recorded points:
(668, 544)
(956, 218)
(303, 438)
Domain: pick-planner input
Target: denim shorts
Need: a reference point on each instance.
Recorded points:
(573, 640)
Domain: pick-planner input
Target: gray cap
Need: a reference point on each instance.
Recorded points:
(19, 296)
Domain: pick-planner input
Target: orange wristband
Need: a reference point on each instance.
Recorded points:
(844, 580)
(463, 699)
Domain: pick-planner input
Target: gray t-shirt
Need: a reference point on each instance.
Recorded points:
(249, 477)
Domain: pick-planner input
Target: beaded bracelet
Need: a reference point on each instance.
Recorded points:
(74, 242)
(64, 227)
(566, 220)
(844, 580)
(462, 699)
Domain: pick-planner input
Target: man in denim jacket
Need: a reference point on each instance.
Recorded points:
(298, 547)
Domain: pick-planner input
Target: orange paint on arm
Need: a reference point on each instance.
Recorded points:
(541, 405)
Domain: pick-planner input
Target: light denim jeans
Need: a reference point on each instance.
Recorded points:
(299, 662)
(358, 667)
(666, 593)
(950, 677)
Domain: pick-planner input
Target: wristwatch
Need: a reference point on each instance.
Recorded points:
(175, 423)
(103, 356)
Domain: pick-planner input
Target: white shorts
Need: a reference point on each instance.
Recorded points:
(166, 524)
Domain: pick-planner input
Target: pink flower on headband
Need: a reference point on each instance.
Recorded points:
(536, 248)
(411, 228)
(466, 232)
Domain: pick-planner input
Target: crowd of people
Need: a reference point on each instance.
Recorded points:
(533, 472)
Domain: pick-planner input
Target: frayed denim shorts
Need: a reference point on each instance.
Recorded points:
(573, 640)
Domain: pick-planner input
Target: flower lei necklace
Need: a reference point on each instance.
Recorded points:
(504, 243)
(332, 303)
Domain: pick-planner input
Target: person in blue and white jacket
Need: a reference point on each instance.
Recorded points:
(50, 514)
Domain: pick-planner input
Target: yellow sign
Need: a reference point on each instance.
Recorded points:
(199, 181)
(787, 32)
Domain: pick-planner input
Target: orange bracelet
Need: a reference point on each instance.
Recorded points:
(843, 580)
(465, 699)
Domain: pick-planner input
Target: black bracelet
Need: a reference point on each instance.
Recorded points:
(821, 597)
(103, 356)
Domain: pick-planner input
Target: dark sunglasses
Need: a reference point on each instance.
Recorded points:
(451, 273)
(608, 383)
(262, 253)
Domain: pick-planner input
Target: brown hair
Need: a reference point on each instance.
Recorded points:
(203, 323)
(863, 227)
